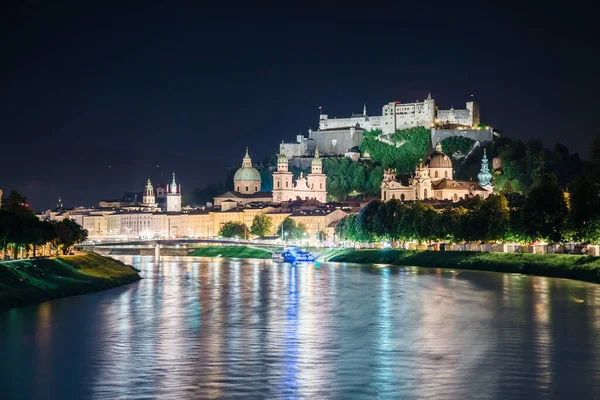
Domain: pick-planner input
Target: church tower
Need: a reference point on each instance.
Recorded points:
(149, 199)
(316, 179)
(173, 196)
(283, 187)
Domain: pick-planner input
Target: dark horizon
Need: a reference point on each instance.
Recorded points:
(95, 98)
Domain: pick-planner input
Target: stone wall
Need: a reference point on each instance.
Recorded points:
(337, 142)
(484, 135)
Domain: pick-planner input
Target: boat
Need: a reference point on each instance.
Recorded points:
(294, 255)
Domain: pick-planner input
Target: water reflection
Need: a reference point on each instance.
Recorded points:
(218, 329)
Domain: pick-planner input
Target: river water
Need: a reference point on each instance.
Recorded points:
(195, 328)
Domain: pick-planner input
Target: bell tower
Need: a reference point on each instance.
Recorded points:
(174, 196)
(283, 188)
(317, 180)
(149, 198)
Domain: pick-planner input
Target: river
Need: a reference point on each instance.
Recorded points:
(195, 328)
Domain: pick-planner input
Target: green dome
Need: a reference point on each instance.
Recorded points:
(247, 174)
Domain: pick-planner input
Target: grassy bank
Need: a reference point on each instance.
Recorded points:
(33, 281)
(583, 268)
(230, 252)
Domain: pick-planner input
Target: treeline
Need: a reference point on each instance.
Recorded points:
(406, 149)
(345, 177)
(20, 229)
(543, 215)
(261, 226)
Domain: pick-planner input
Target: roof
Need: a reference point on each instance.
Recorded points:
(237, 195)
(313, 212)
(439, 159)
(247, 174)
(452, 184)
(358, 128)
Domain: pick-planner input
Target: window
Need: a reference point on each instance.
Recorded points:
(238, 189)
(277, 183)
(425, 193)
(246, 188)
(455, 197)
(402, 197)
(384, 196)
(320, 186)
(393, 196)
(256, 188)
(286, 183)
(445, 174)
(436, 174)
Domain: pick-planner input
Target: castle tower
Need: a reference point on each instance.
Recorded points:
(428, 111)
(247, 179)
(174, 196)
(149, 198)
(283, 188)
(484, 176)
(317, 180)
(473, 107)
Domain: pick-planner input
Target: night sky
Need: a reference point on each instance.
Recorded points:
(96, 99)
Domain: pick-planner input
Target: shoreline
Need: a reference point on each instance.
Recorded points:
(31, 281)
(575, 267)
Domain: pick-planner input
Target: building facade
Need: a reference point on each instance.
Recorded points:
(313, 186)
(433, 179)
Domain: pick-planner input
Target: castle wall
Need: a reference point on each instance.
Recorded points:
(365, 122)
(484, 135)
(337, 142)
(460, 117)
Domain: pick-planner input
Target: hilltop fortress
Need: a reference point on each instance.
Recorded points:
(343, 136)
(396, 116)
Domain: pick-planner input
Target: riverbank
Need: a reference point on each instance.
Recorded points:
(33, 281)
(582, 268)
(231, 252)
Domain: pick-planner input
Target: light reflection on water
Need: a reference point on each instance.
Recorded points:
(200, 329)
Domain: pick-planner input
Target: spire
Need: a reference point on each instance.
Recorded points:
(174, 185)
(485, 177)
(429, 96)
(281, 148)
(317, 151)
(247, 161)
(365, 110)
(438, 146)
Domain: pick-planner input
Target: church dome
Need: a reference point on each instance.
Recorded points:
(439, 160)
(247, 172)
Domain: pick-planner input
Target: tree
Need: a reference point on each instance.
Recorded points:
(261, 225)
(68, 233)
(367, 223)
(496, 214)
(231, 229)
(287, 229)
(584, 210)
(546, 210)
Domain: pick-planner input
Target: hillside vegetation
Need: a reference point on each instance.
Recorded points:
(581, 268)
(33, 281)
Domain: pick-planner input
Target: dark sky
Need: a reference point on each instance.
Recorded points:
(94, 98)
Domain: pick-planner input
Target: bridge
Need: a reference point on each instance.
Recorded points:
(182, 246)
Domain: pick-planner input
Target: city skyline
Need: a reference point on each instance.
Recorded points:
(104, 97)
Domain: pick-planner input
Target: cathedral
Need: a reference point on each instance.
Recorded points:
(434, 179)
(311, 186)
(247, 184)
